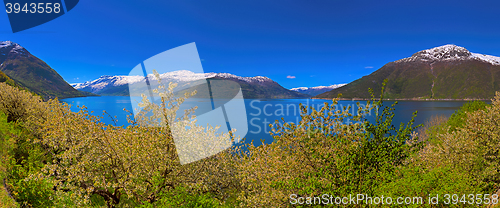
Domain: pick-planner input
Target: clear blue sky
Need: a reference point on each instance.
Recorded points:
(320, 42)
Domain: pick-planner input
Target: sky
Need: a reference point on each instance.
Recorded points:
(297, 43)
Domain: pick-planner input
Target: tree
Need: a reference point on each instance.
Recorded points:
(135, 163)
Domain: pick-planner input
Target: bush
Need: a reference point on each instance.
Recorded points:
(457, 119)
(472, 147)
(324, 155)
(417, 181)
(21, 158)
(182, 197)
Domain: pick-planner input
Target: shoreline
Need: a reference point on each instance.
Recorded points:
(405, 99)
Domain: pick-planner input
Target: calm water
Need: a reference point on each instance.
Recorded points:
(262, 112)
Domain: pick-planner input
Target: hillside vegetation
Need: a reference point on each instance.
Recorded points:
(6, 79)
(53, 157)
(30, 72)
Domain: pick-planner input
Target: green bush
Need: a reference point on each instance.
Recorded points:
(322, 154)
(182, 197)
(416, 181)
(23, 159)
(457, 119)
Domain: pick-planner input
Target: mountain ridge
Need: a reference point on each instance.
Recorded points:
(252, 87)
(313, 91)
(30, 72)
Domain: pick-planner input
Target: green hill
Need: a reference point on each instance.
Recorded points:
(30, 72)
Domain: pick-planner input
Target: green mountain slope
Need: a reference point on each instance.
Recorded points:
(30, 72)
(6, 79)
(446, 72)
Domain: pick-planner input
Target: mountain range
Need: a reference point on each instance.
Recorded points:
(445, 72)
(252, 87)
(29, 72)
(313, 91)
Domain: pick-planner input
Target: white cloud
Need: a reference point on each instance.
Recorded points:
(368, 67)
(290, 77)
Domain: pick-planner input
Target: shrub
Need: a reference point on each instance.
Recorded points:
(417, 181)
(472, 147)
(324, 155)
(457, 119)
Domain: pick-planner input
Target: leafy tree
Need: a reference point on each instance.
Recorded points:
(133, 164)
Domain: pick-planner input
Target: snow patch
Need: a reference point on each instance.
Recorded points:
(298, 89)
(449, 53)
(175, 76)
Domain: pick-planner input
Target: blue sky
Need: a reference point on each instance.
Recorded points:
(319, 42)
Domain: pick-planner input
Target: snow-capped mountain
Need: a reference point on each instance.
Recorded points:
(253, 87)
(11, 47)
(180, 76)
(313, 91)
(28, 71)
(444, 72)
(450, 53)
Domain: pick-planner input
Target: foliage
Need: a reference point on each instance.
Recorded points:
(325, 155)
(18, 105)
(451, 161)
(6, 79)
(137, 163)
(6, 146)
(56, 157)
(417, 181)
(457, 119)
(432, 127)
(21, 159)
(125, 166)
(472, 148)
(181, 197)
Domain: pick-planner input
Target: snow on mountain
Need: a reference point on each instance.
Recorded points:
(246, 79)
(313, 91)
(99, 84)
(449, 53)
(11, 47)
(104, 81)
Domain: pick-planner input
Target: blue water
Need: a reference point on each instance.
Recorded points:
(261, 112)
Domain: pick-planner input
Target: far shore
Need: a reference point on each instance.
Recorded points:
(405, 99)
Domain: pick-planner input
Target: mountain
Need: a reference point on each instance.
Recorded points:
(252, 87)
(313, 91)
(30, 72)
(445, 72)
